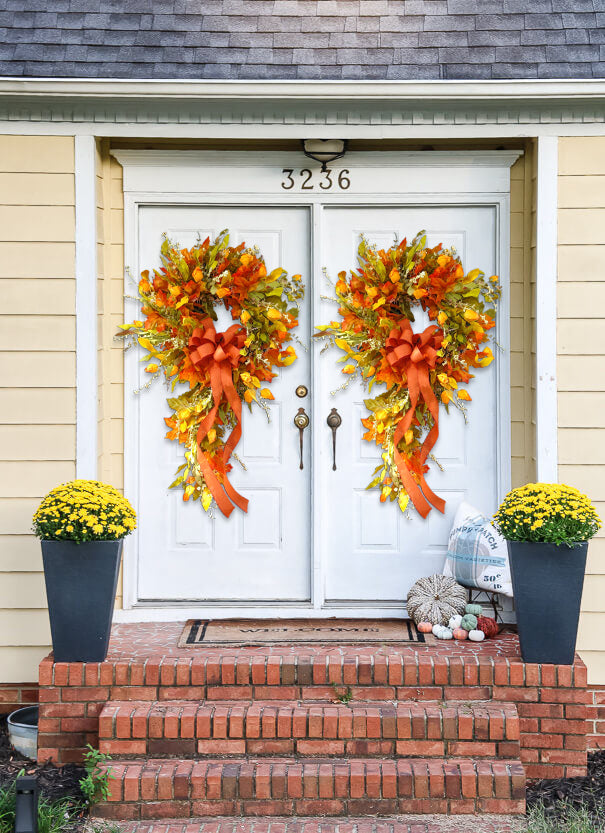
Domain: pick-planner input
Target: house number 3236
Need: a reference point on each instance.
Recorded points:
(308, 181)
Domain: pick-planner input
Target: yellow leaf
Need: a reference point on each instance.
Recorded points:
(182, 302)
(151, 368)
(245, 317)
(463, 394)
(443, 378)
(249, 396)
(379, 303)
(372, 291)
(222, 291)
(470, 315)
(206, 499)
(453, 382)
(408, 437)
(255, 382)
(340, 342)
(349, 368)
(473, 274)
(382, 414)
(144, 342)
(212, 435)
(441, 317)
(266, 394)
(403, 500)
(273, 314)
(446, 397)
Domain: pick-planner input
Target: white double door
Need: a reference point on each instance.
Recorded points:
(314, 539)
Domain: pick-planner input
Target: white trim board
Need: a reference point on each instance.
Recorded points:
(546, 311)
(474, 178)
(86, 307)
(358, 90)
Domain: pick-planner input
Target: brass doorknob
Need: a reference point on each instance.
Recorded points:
(301, 420)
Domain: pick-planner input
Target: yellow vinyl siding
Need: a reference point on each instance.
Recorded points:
(37, 376)
(581, 361)
(110, 236)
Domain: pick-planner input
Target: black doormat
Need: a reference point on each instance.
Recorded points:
(300, 631)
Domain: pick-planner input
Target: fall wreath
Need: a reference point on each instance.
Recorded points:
(420, 369)
(179, 304)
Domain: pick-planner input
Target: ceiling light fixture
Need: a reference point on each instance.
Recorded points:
(324, 150)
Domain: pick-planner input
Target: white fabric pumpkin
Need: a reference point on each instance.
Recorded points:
(436, 599)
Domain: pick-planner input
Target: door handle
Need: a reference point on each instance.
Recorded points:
(301, 420)
(334, 421)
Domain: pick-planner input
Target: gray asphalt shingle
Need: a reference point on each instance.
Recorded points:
(356, 39)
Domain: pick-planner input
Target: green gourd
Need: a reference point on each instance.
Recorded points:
(476, 610)
(469, 622)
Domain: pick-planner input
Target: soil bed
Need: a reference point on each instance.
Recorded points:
(587, 792)
(55, 782)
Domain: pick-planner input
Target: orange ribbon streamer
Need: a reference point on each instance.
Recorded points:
(415, 355)
(217, 354)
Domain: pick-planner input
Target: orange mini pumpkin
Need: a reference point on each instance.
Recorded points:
(424, 627)
(460, 633)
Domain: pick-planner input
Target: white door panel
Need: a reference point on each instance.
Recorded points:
(371, 552)
(263, 555)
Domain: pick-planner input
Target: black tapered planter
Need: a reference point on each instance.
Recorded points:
(547, 588)
(81, 581)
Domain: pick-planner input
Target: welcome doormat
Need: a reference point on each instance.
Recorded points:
(300, 631)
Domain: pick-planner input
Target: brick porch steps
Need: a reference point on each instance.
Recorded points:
(272, 824)
(426, 728)
(155, 789)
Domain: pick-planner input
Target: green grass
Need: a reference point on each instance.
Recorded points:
(53, 816)
(568, 819)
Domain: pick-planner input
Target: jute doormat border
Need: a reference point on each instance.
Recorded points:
(241, 632)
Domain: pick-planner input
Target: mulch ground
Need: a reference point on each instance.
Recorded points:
(587, 792)
(55, 782)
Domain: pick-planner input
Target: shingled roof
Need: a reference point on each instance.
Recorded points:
(288, 39)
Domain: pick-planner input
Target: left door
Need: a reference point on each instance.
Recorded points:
(184, 555)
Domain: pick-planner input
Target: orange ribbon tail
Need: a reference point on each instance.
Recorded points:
(415, 355)
(218, 353)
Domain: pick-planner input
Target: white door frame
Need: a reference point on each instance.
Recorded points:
(154, 178)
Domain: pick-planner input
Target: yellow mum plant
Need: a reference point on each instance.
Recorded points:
(547, 512)
(84, 510)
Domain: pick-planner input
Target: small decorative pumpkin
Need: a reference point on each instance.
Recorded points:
(436, 599)
(425, 627)
(455, 622)
(488, 625)
(469, 622)
(460, 633)
(476, 636)
(441, 632)
(476, 610)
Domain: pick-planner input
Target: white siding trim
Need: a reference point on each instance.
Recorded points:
(439, 89)
(86, 307)
(546, 310)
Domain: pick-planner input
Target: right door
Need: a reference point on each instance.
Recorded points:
(371, 553)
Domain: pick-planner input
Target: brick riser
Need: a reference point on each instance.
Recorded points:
(182, 789)
(551, 700)
(188, 729)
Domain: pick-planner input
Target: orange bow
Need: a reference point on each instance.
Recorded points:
(217, 354)
(416, 354)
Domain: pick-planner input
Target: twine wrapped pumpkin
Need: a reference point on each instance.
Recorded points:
(436, 599)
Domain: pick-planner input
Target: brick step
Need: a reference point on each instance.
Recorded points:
(273, 824)
(152, 788)
(261, 673)
(430, 729)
